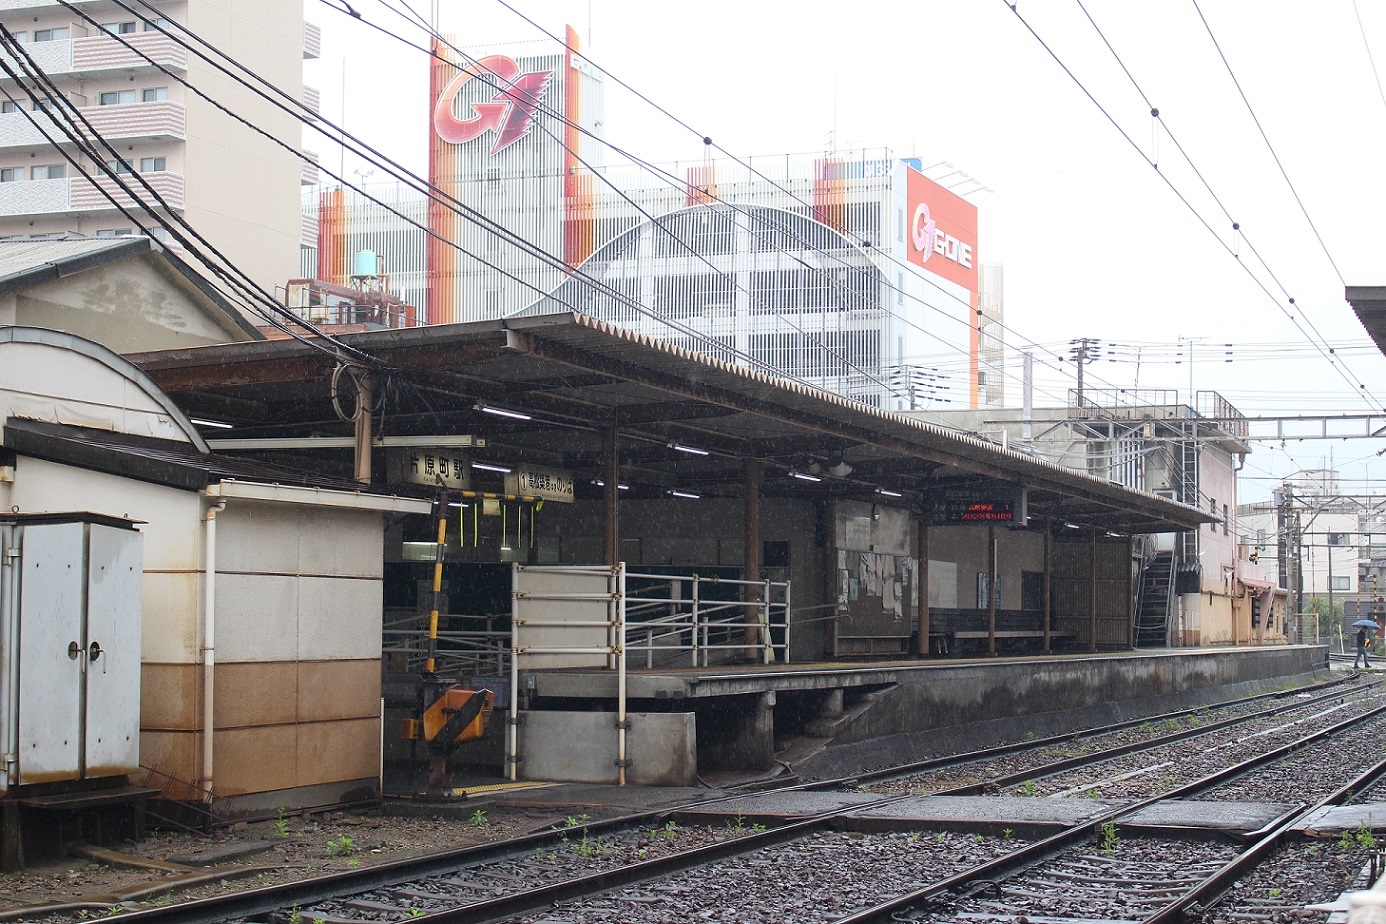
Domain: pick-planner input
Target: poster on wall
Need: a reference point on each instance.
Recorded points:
(983, 598)
(943, 584)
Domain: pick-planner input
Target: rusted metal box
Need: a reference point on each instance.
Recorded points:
(69, 648)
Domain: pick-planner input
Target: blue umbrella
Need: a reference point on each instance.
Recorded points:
(1365, 624)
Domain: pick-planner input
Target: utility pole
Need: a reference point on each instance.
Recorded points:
(1084, 350)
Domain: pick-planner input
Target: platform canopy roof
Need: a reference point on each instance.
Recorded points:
(1369, 304)
(577, 377)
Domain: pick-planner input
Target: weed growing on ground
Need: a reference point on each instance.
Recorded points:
(1028, 788)
(1006, 834)
(1109, 837)
(281, 823)
(478, 819)
(341, 847)
(670, 830)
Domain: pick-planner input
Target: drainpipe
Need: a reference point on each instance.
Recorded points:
(209, 645)
(9, 638)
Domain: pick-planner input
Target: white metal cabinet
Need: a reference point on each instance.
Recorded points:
(75, 684)
(51, 592)
(115, 568)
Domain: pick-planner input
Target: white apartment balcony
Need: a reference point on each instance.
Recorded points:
(42, 6)
(307, 230)
(161, 121)
(74, 195)
(309, 176)
(312, 41)
(94, 55)
(313, 100)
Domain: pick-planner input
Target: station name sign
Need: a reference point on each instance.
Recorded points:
(432, 467)
(993, 505)
(550, 484)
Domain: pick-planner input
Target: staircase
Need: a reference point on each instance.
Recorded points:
(1157, 593)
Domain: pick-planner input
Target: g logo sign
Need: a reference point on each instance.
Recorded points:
(510, 113)
(923, 232)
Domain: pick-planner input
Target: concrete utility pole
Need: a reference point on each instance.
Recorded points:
(1084, 351)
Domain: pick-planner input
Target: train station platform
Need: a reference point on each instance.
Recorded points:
(822, 720)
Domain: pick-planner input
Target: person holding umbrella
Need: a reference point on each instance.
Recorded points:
(1360, 638)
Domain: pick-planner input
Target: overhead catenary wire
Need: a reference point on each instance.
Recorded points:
(1325, 350)
(1266, 138)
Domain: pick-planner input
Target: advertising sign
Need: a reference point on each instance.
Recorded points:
(940, 231)
(509, 112)
(550, 484)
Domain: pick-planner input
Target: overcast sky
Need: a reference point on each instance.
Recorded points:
(1094, 242)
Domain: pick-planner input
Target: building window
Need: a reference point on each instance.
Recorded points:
(1340, 583)
(11, 105)
(159, 234)
(154, 94)
(51, 35)
(1226, 518)
(117, 97)
(1338, 538)
(44, 102)
(152, 164)
(115, 232)
(158, 24)
(119, 166)
(118, 28)
(11, 174)
(48, 172)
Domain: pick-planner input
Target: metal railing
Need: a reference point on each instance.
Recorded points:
(481, 650)
(671, 618)
(593, 616)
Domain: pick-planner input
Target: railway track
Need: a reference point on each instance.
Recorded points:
(644, 863)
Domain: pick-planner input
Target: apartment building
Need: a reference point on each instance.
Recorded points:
(239, 189)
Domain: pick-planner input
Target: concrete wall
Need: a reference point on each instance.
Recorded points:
(582, 747)
(943, 709)
(128, 306)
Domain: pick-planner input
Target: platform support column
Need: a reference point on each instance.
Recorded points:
(923, 571)
(750, 593)
(611, 498)
(991, 588)
(1048, 569)
(1092, 590)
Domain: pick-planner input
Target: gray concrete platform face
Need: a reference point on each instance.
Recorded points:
(1333, 820)
(581, 747)
(993, 809)
(1225, 816)
(786, 804)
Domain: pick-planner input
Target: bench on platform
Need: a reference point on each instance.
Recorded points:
(954, 628)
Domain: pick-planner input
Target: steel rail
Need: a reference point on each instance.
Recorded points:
(307, 892)
(1212, 888)
(1039, 852)
(936, 763)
